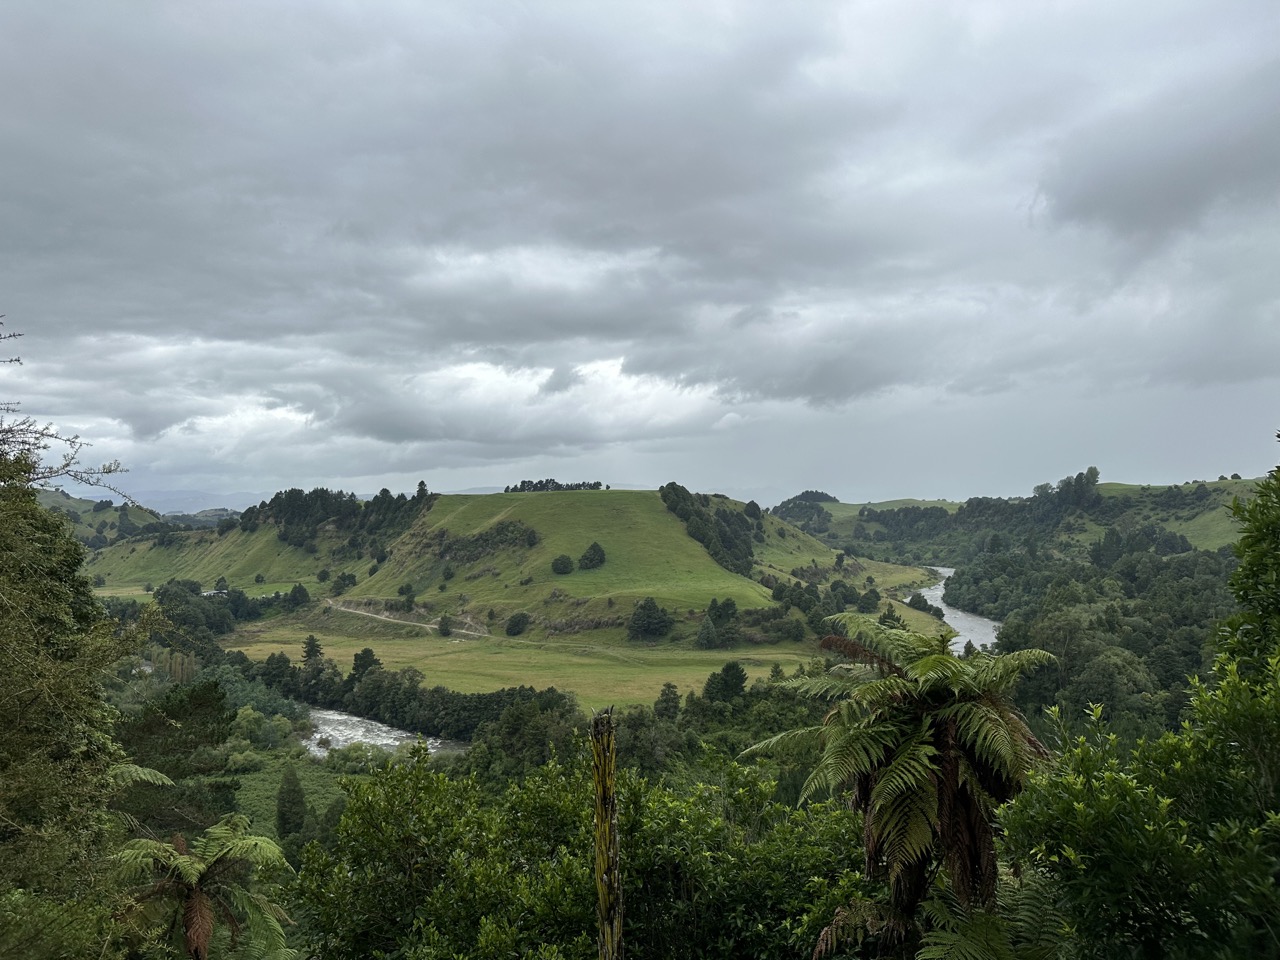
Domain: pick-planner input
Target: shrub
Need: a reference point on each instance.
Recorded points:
(562, 564)
(517, 624)
(592, 558)
(649, 621)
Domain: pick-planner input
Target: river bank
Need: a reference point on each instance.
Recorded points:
(968, 626)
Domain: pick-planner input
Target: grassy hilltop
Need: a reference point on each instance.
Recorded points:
(473, 558)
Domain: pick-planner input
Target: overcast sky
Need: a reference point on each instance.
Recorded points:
(879, 248)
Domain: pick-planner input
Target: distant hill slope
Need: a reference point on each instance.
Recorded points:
(648, 553)
(940, 531)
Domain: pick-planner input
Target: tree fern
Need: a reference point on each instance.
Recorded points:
(926, 745)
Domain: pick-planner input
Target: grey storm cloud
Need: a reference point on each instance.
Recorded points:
(1158, 167)
(262, 240)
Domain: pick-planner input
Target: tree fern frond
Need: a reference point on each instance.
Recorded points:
(871, 649)
(128, 774)
(907, 825)
(827, 686)
(849, 752)
(999, 673)
(939, 667)
(848, 921)
(882, 692)
(258, 851)
(910, 768)
(803, 736)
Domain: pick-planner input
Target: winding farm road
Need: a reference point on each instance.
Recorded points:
(434, 625)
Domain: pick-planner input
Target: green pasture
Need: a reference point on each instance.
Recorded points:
(600, 669)
(601, 666)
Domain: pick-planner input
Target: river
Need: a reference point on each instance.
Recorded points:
(968, 626)
(342, 729)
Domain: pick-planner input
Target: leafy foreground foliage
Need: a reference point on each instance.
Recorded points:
(427, 867)
(56, 754)
(59, 765)
(926, 745)
(1172, 849)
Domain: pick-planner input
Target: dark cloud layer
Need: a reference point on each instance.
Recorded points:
(260, 243)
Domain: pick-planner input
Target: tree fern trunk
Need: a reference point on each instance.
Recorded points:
(608, 867)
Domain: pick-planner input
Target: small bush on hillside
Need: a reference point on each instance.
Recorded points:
(649, 621)
(592, 558)
(517, 624)
(562, 564)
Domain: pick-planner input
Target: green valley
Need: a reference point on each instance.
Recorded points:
(474, 561)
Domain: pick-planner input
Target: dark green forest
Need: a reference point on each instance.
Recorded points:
(1102, 783)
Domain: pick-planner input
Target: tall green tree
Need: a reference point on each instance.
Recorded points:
(926, 746)
(59, 763)
(291, 805)
(707, 638)
(727, 683)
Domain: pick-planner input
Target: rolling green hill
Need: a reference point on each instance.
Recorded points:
(481, 558)
(1197, 510)
(918, 530)
(97, 522)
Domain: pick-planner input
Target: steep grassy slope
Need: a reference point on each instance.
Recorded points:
(647, 552)
(204, 556)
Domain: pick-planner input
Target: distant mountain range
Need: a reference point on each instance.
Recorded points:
(193, 501)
